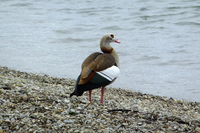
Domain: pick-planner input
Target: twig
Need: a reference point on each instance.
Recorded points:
(123, 110)
(87, 105)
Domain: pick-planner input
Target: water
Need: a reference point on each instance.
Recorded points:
(159, 53)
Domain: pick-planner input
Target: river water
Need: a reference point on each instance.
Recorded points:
(160, 40)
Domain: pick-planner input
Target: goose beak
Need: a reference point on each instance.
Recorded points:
(117, 41)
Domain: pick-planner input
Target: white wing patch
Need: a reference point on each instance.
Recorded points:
(110, 73)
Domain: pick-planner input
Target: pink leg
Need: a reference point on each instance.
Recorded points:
(90, 95)
(102, 95)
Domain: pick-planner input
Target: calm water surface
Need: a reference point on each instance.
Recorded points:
(159, 53)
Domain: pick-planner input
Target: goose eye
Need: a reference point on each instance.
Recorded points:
(112, 35)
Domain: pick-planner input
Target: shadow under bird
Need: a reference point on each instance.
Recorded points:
(98, 69)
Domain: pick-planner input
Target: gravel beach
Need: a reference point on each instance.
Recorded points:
(40, 103)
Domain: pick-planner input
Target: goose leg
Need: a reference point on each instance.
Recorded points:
(90, 95)
(102, 94)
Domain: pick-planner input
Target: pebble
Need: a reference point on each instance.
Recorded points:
(79, 108)
(40, 103)
(68, 121)
(125, 124)
(66, 101)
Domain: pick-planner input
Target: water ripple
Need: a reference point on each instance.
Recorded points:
(22, 4)
(188, 23)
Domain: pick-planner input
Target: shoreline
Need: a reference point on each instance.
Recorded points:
(40, 103)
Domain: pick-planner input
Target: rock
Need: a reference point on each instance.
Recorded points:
(68, 121)
(125, 124)
(66, 101)
(79, 108)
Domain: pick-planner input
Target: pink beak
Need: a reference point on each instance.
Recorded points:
(117, 41)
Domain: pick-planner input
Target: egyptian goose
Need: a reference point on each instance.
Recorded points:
(98, 69)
